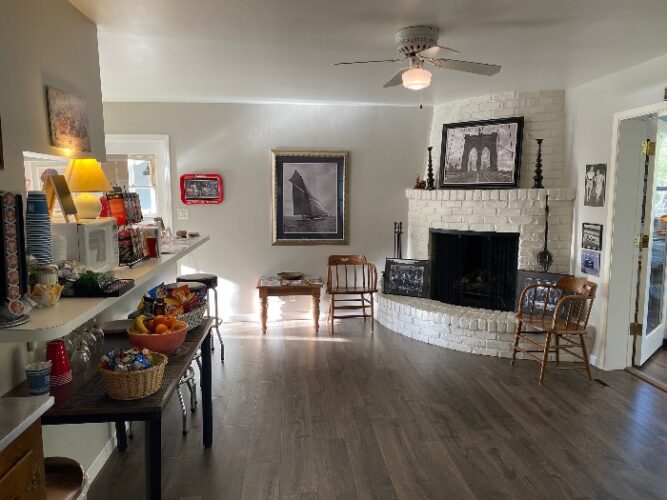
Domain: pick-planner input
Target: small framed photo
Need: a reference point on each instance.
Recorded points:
(68, 120)
(595, 184)
(482, 154)
(591, 236)
(201, 189)
(309, 197)
(590, 262)
(407, 277)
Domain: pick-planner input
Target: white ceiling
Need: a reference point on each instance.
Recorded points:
(282, 50)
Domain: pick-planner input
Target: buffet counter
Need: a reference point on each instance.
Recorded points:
(69, 313)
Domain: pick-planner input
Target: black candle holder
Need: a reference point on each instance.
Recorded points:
(430, 179)
(538, 166)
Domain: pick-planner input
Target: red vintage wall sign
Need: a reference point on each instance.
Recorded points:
(198, 189)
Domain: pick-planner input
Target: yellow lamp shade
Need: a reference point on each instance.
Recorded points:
(86, 176)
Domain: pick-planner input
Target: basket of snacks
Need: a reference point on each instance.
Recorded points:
(132, 373)
(185, 301)
(162, 334)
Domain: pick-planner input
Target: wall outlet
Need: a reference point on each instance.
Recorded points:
(183, 213)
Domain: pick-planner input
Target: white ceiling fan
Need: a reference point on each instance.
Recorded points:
(419, 45)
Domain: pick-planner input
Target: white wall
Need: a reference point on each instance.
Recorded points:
(45, 42)
(386, 147)
(589, 110)
(544, 117)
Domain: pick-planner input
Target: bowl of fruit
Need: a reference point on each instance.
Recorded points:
(162, 334)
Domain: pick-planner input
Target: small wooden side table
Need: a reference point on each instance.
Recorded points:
(273, 286)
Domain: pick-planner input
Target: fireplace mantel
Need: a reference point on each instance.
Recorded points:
(500, 210)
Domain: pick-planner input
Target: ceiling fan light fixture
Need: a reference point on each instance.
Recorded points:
(416, 78)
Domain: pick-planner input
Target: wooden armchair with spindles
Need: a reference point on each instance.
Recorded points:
(351, 283)
(563, 326)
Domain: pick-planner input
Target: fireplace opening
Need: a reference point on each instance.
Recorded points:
(474, 269)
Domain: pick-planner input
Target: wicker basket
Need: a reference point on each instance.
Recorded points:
(193, 318)
(135, 384)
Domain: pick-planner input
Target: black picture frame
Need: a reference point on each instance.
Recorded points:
(408, 277)
(459, 141)
(526, 278)
(315, 184)
(595, 185)
(591, 236)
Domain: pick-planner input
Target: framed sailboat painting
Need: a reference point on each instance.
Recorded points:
(309, 204)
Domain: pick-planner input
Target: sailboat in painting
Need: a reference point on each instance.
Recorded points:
(305, 205)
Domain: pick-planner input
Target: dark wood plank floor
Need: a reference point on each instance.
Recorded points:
(380, 416)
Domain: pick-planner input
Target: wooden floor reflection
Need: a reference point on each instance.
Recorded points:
(378, 415)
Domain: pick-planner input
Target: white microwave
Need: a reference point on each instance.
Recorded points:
(93, 243)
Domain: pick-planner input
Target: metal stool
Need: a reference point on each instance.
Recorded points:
(211, 283)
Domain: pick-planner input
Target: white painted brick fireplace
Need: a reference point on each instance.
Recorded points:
(521, 211)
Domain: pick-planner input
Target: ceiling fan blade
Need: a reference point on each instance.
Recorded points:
(468, 67)
(366, 62)
(436, 52)
(395, 80)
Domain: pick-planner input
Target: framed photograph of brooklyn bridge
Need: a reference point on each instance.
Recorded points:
(481, 155)
(309, 197)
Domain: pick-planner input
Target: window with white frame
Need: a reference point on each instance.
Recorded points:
(141, 180)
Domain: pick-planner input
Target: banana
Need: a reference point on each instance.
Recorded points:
(139, 324)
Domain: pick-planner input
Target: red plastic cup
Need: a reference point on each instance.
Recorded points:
(151, 243)
(56, 352)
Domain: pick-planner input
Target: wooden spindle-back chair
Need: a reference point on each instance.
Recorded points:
(351, 283)
(567, 320)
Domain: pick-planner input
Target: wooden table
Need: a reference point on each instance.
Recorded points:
(273, 286)
(84, 400)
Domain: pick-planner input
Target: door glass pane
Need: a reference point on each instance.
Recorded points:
(656, 289)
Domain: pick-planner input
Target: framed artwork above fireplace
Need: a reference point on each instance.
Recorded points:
(481, 154)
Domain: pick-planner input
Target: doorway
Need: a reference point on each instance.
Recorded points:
(635, 305)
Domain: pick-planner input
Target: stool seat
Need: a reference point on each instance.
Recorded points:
(210, 280)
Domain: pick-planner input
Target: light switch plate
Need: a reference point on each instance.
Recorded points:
(183, 213)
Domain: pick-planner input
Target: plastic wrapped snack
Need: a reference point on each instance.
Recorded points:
(126, 360)
(46, 295)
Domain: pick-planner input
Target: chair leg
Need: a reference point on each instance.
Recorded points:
(130, 434)
(372, 314)
(545, 357)
(363, 306)
(557, 342)
(184, 412)
(585, 353)
(516, 341)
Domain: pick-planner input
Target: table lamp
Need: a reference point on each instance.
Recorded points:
(85, 177)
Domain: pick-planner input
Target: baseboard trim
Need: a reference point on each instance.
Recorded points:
(102, 458)
(593, 359)
(646, 378)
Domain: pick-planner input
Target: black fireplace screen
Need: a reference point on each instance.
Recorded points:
(474, 269)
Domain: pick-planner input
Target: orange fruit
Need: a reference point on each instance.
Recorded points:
(169, 321)
(161, 328)
(160, 320)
